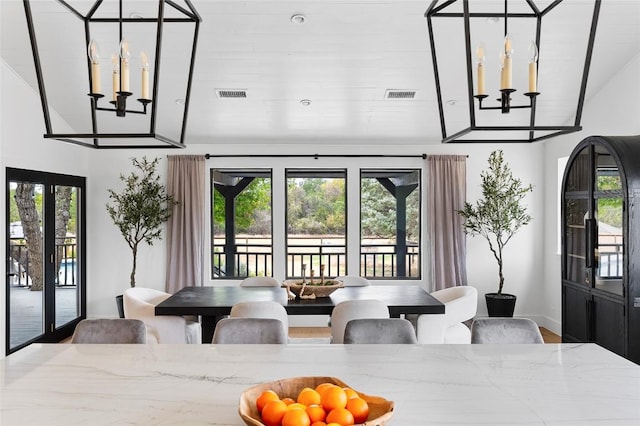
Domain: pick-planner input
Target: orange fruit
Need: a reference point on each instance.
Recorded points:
(322, 386)
(341, 416)
(359, 408)
(296, 406)
(308, 396)
(288, 401)
(334, 397)
(316, 413)
(318, 424)
(351, 393)
(334, 424)
(265, 397)
(273, 412)
(296, 418)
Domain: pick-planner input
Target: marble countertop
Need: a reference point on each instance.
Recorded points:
(564, 384)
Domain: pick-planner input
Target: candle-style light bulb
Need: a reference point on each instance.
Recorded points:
(144, 65)
(533, 67)
(125, 55)
(507, 53)
(115, 75)
(501, 63)
(508, 46)
(480, 56)
(94, 55)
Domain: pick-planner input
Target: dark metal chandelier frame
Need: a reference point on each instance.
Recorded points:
(187, 14)
(440, 9)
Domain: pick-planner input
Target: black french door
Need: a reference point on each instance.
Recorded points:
(45, 256)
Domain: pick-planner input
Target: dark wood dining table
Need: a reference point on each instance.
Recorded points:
(214, 303)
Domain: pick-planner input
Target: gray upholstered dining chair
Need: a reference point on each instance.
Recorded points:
(249, 331)
(505, 330)
(109, 330)
(379, 330)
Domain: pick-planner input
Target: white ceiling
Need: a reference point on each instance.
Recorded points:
(343, 59)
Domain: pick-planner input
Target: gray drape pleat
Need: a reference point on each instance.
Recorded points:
(185, 229)
(446, 195)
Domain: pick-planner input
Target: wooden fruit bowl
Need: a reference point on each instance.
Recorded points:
(317, 289)
(380, 409)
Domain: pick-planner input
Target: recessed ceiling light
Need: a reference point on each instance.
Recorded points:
(298, 18)
(305, 102)
(452, 102)
(180, 101)
(135, 15)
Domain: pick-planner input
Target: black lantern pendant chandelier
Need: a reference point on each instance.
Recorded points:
(511, 118)
(142, 120)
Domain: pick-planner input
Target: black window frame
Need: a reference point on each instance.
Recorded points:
(247, 172)
(392, 172)
(325, 172)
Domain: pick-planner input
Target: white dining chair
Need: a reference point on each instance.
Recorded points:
(380, 331)
(351, 281)
(348, 310)
(249, 331)
(259, 282)
(110, 331)
(461, 304)
(354, 281)
(261, 309)
(140, 303)
(505, 330)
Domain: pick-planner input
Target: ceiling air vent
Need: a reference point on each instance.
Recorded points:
(231, 93)
(399, 94)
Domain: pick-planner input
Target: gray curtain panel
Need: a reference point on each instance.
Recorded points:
(447, 183)
(185, 229)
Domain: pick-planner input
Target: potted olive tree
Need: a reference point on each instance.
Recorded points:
(139, 210)
(497, 216)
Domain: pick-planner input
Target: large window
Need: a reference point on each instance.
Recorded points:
(241, 223)
(316, 222)
(390, 223)
(334, 221)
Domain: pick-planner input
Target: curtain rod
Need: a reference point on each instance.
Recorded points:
(315, 156)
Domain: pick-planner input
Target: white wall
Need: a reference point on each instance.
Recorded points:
(612, 111)
(22, 146)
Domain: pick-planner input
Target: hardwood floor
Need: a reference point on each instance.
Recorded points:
(309, 332)
(549, 336)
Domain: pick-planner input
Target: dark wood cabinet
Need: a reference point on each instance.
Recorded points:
(600, 238)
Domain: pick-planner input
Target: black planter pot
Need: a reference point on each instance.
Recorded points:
(120, 305)
(500, 305)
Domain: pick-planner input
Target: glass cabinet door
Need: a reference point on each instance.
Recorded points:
(580, 174)
(608, 209)
(575, 238)
(578, 221)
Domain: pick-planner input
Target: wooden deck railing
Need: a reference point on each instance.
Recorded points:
(65, 252)
(376, 260)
